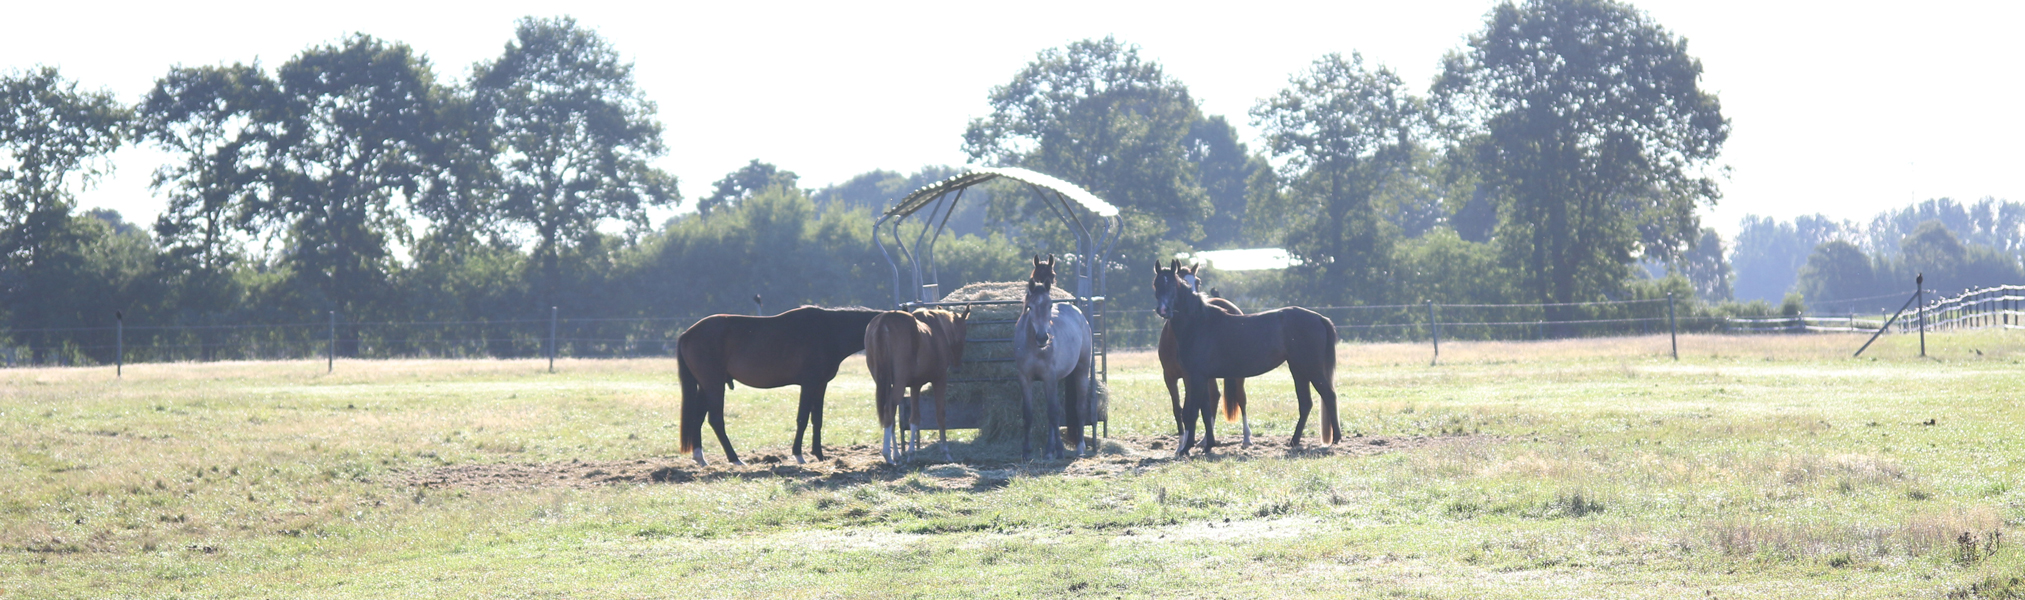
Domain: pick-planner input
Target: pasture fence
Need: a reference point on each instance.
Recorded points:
(559, 335)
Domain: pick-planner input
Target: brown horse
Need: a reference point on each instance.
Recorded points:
(908, 352)
(801, 347)
(1216, 344)
(1170, 350)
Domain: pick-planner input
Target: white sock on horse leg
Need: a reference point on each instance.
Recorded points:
(699, 455)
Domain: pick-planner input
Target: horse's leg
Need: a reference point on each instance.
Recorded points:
(1190, 407)
(1026, 417)
(1303, 402)
(802, 415)
(1234, 395)
(717, 423)
(942, 417)
(815, 418)
(913, 422)
(1332, 430)
(1174, 399)
(1072, 408)
(1209, 412)
(1054, 418)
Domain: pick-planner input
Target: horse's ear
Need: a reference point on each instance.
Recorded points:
(1051, 260)
(1174, 265)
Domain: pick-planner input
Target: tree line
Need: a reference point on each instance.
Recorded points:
(1559, 156)
(1837, 266)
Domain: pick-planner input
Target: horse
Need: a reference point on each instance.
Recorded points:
(1170, 361)
(804, 347)
(913, 350)
(1216, 344)
(1051, 344)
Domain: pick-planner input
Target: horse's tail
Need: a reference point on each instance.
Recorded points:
(1233, 399)
(877, 356)
(1332, 431)
(693, 410)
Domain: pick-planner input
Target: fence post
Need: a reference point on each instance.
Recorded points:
(1434, 327)
(330, 349)
(1672, 331)
(551, 339)
(1920, 292)
(120, 345)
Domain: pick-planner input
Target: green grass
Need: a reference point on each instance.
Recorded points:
(1758, 466)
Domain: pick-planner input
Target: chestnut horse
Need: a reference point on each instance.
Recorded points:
(801, 347)
(906, 351)
(1170, 360)
(1216, 344)
(1052, 344)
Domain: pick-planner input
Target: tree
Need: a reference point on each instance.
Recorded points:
(1095, 114)
(346, 138)
(744, 183)
(1838, 271)
(1346, 132)
(1224, 167)
(1952, 266)
(1587, 120)
(1768, 253)
(54, 140)
(1706, 267)
(571, 138)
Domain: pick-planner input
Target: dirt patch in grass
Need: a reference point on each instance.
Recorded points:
(978, 466)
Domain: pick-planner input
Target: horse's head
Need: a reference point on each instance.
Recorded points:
(1039, 312)
(1186, 301)
(1044, 272)
(1191, 275)
(959, 329)
(953, 328)
(1167, 282)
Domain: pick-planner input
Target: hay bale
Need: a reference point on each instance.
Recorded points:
(999, 401)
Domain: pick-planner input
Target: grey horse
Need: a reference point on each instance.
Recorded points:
(1051, 346)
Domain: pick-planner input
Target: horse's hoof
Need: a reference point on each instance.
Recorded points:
(799, 461)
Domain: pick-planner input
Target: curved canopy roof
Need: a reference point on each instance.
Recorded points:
(922, 197)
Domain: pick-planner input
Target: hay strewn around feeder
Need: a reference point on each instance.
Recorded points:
(999, 400)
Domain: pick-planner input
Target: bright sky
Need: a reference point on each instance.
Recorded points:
(1841, 108)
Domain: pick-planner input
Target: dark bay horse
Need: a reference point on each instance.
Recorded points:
(801, 347)
(1052, 345)
(1216, 344)
(1233, 395)
(909, 351)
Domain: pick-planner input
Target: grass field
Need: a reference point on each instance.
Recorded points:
(1769, 466)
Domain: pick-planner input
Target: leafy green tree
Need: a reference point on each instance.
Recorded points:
(54, 139)
(201, 116)
(743, 183)
(1837, 271)
(572, 139)
(1095, 114)
(1586, 119)
(1950, 265)
(347, 140)
(1706, 267)
(1346, 132)
(1224, 167)
(1769, 253)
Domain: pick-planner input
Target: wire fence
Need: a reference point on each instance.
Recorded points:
(624, 337)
